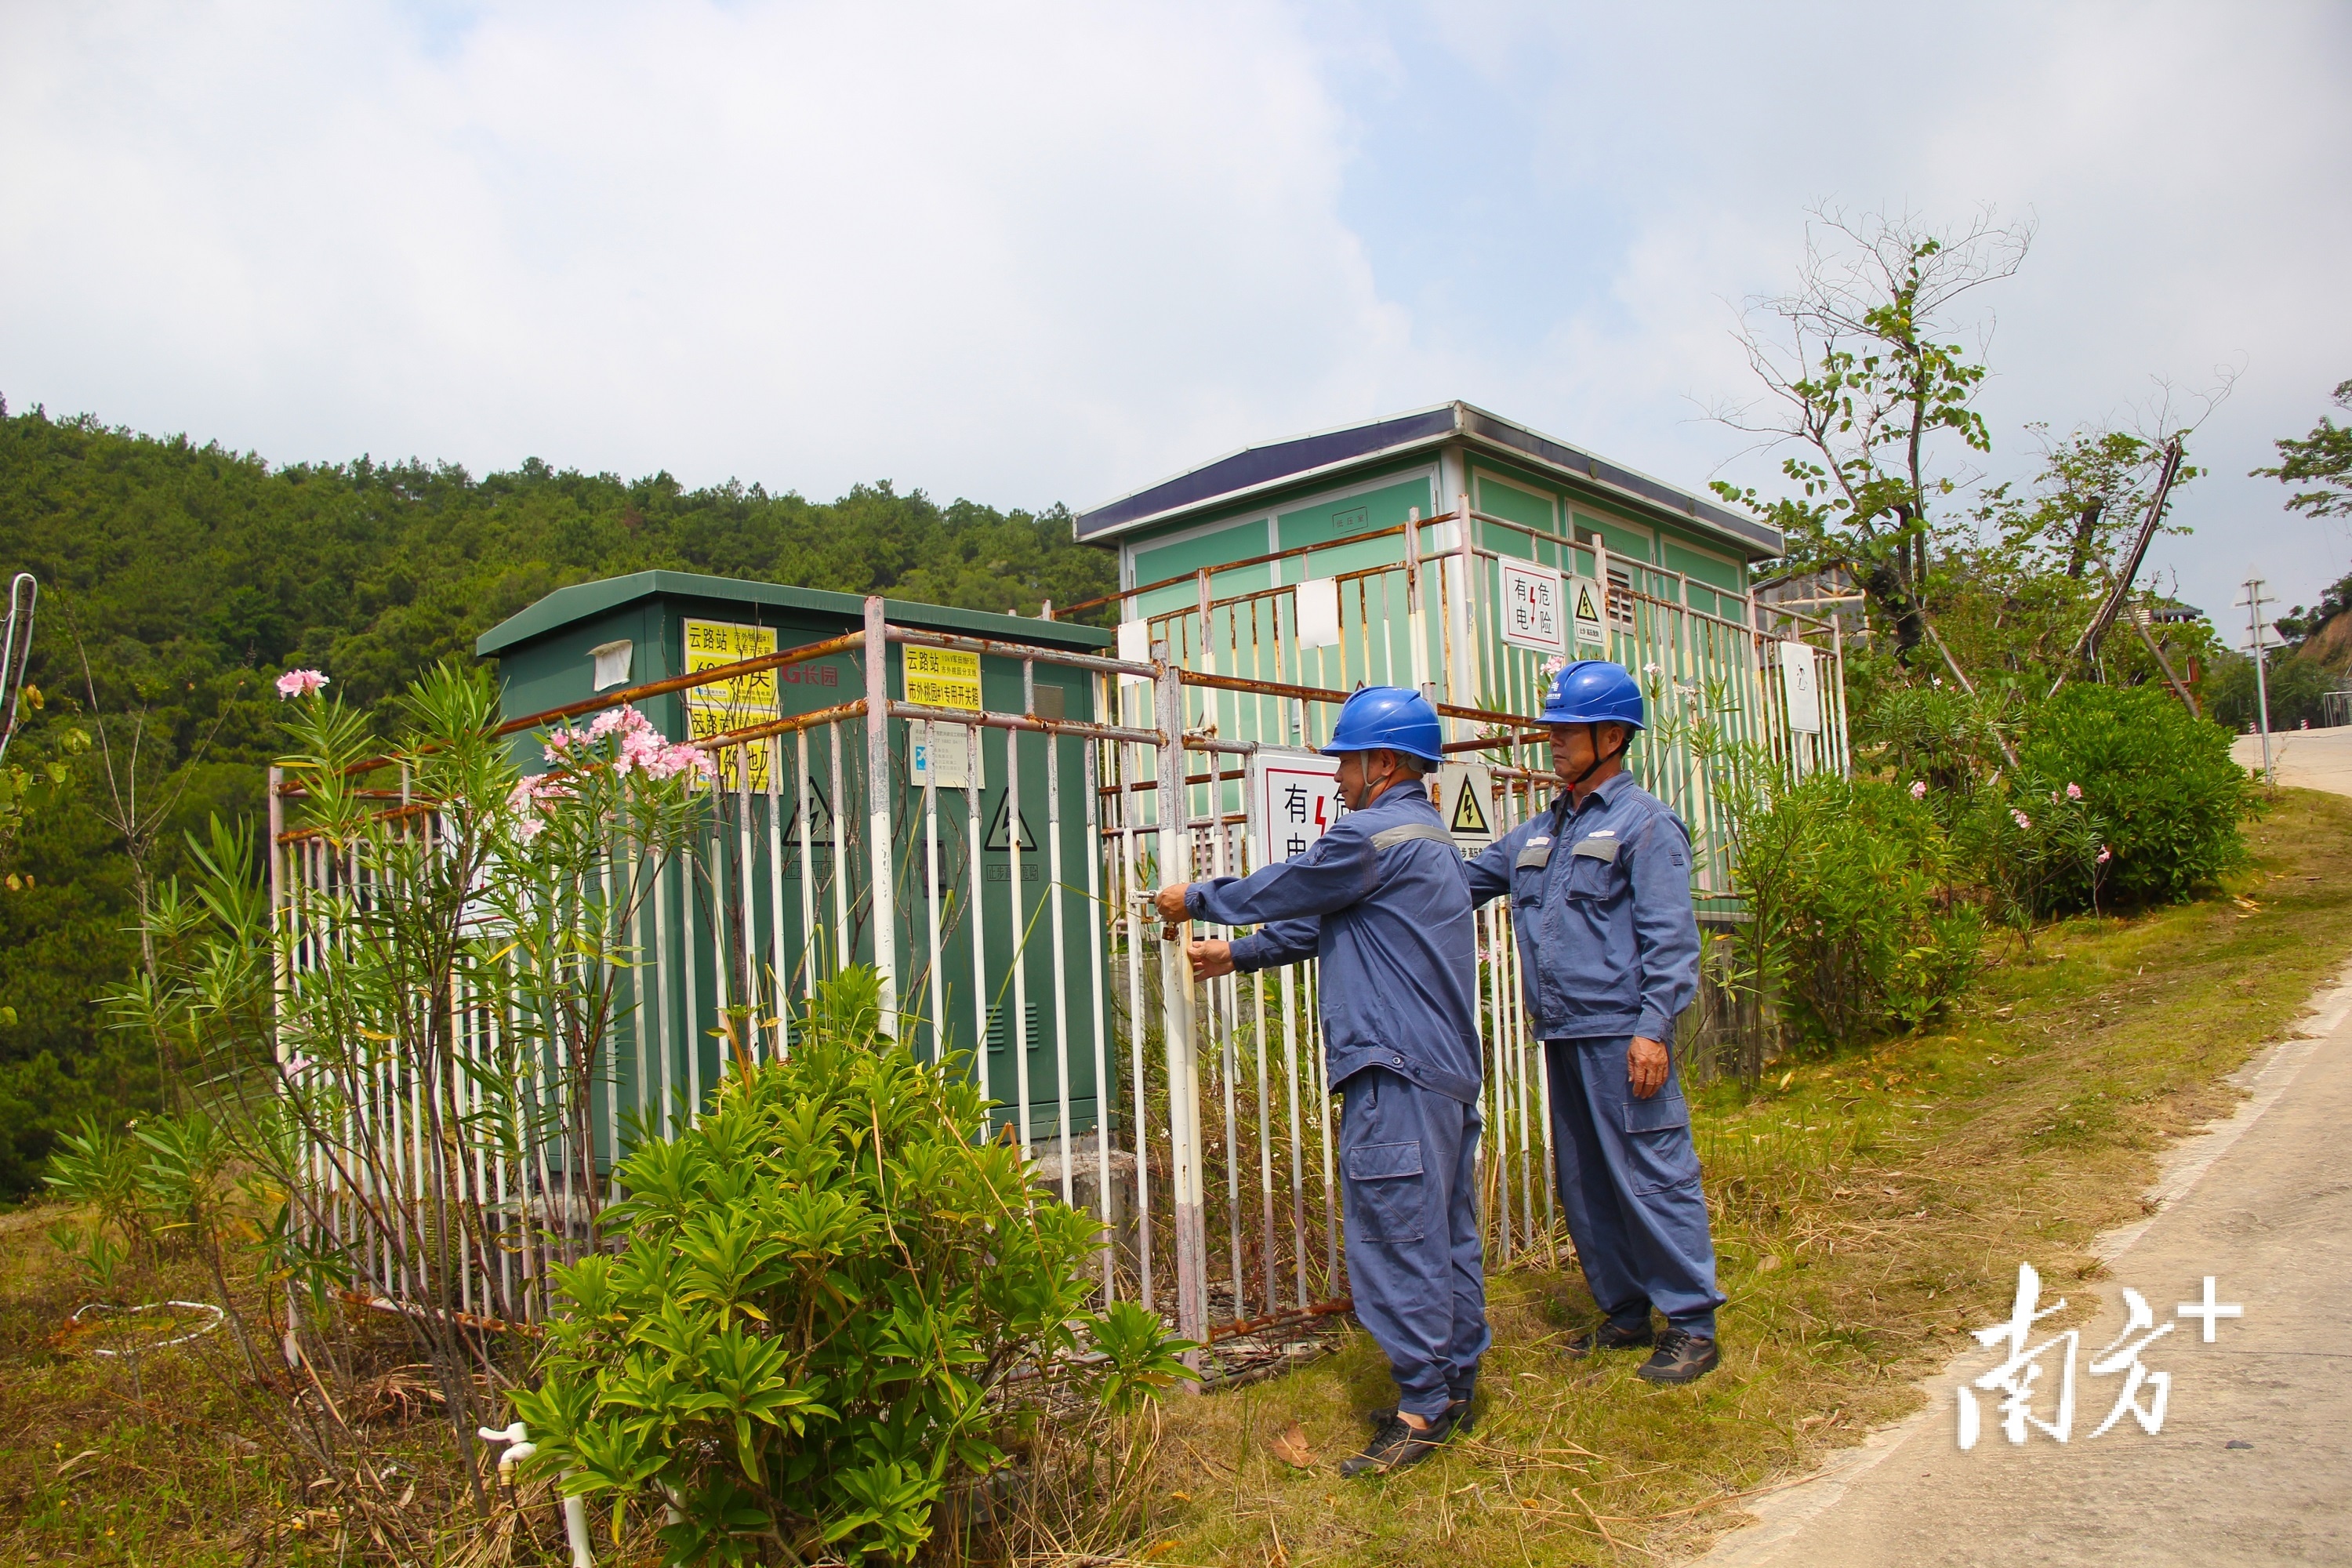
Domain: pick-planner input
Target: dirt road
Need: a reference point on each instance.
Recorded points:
(2254, 1461)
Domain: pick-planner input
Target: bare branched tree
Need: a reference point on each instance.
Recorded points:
(1866, 371)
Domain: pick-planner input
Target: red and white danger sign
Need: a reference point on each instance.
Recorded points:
(1297, 800)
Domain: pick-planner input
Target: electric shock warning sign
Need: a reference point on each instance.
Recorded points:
(1298, 800)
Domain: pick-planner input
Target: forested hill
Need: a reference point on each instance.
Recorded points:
(185, 576)
(369, 570)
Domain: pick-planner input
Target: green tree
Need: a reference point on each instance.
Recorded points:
(1865, 375)
(2322, 459)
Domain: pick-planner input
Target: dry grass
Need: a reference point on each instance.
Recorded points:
(1866, 1214)
(179, 1458)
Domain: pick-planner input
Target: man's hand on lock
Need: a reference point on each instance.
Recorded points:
(1645, 1065)
(1211, 959)
(1171, 900)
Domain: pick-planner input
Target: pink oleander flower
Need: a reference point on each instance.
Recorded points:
(1554, 665)
(295, 1064)
(2074, 792)
(2105, 855)
(299, 683)
(2022, 820)
(2053, 797)
(662, 760)
(525, 799)
(1919, 790)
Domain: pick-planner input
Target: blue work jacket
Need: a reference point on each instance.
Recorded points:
(1600, 899)
(1381, 899)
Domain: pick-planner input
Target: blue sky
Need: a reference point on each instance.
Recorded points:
(1031, 253)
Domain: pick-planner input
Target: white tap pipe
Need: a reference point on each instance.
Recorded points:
(575, 1510)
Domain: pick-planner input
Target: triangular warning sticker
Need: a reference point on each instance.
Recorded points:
(1469, 816)
(997, 836)
(1586, 610)
(820, 817)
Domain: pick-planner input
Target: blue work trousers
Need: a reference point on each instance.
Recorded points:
(1630, 1190)
(1412, 1220)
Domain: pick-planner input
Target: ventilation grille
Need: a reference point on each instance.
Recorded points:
(996, 1028)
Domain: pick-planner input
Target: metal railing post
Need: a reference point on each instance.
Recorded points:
(877, 812)
(1176, 989)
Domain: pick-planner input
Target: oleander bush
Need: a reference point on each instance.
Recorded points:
(1852, 931)
(2162, 782)
(821, 1290)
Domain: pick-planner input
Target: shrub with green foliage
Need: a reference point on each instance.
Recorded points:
(1850, 926)
(822, 1284)
(2162, 782)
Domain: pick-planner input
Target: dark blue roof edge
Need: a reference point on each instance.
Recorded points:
(530, 623)
(1520, 438)
(1236, 474)
(1253, 466)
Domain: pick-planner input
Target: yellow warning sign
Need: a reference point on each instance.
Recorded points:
(1469, 816)
(1587, 607)
(709, 645)
(720, 707)
(1464, 791)
(940, 678)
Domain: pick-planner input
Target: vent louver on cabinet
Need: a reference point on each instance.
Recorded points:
(996, 1028)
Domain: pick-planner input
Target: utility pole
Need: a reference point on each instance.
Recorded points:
(2253, 602)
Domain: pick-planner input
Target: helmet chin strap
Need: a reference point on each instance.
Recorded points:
(1593, 734)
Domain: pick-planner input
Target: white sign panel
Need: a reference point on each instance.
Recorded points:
(1318, 611)
(1297, 800)
(1134, 647)
(1533, 610)
(1587, 608)
(1465, 799)
(946, 755)
(1801, 689)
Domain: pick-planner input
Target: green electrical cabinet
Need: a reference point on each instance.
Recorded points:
(777, 894)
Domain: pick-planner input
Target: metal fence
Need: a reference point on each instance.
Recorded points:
(1193, 1121)
(1709, 660)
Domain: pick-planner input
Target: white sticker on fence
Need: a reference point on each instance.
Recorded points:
(1465, 799)
(1586, 605)
(1801, 689)
(1298, 800)
(1134, 647)
(943, 754)
(1317, 601)
(1533, 607)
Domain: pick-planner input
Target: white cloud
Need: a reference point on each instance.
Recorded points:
(2184, 166)
(1041, 251)
(1017, 252)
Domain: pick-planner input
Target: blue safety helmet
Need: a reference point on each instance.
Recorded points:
(1387, 719)
(1594, 691)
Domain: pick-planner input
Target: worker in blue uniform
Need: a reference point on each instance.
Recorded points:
(1601, 901)
(1381, 899)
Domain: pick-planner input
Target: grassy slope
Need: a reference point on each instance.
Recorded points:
(1867, 1214)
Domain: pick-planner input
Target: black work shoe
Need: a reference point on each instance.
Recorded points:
(1396, 1446)
(1609, 1337)
(1457, 1411)
(1681, 1357)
